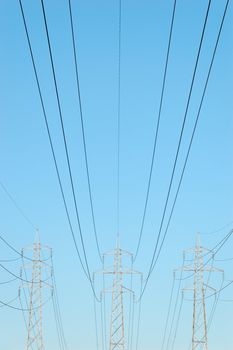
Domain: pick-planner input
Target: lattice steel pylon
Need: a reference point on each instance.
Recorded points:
(37, 280)
(117, 333)
(121, 284)
(199, 289)
(199, 335)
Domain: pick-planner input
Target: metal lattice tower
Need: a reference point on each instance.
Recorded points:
(36, 268)
(117, 336)
(199, 289)
(121, 285)
(199, 335)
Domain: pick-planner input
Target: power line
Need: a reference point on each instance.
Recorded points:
(58, 320)
(220, 290)
(49, 133)
(61, 346)
(9, 260)
(51, 142)
(182, 130)
(213, 251)
(174, 310)
(9, 281)
(64, 139)
(19, 277)
(82, 126)
(194, 129)
(214, 309)
(103, 329)
(96, 325)
(188, 152)
(230, 223)
(131, 299)
(8, 303)
(179, 145)
(157, 128)
(177, 322)
(20, 210)
(60, 324)
(119, 117)
(130, 346)
(139, 321)
(58, 308)
(17, 252)
(168, 313)
(223, 260)
(21, 309)
(24, 317)
(104, 314)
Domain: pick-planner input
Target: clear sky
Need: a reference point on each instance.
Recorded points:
(27, 170)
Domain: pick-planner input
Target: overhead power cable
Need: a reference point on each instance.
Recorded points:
(8, 303)
(66, 147)
(103, 301)
(48, 132)
(20, 308)
(20, 210)
(65, 140)
(138, 321)
(179, 144)
(174, 310)
(82, 126)
(194, 130)
(223, 260)
(230, 223)
(220, 290)
(213, 252)
(24, 319)
(210, 321)
(181, 133)
(130, 346)
(58, 311)
(168, 313)
(131, 300)
(61, 346)
(177, 322)
(157, 128)
(154, 261)
(9, 260)
(51, 142)
(96, 325)
(9, 281)
(21, 278)
(21, 255)
(103, 329)
(119, 117)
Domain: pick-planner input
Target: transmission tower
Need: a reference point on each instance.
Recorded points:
(199, 290)
(38, 273)
(117, 334)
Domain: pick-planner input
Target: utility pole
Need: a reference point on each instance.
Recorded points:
(199, 289)
(40, 272)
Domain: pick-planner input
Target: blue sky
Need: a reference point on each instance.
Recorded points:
(27, 170)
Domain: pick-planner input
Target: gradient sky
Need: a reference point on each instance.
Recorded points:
(27, 170)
